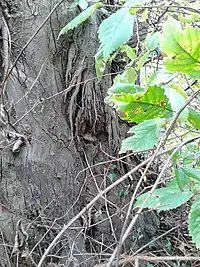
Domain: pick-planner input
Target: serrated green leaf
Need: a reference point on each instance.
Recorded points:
(176, 100)
(146, 136)
(129, 51)
(115, 31)
(137, 108)
(194, 221)
(181, 47)
(152, 42)
(166, 198)
(83, 16)
(194, 118)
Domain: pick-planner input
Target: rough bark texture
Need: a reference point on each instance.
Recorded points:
(40, 189)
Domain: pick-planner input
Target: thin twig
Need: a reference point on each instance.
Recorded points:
(129, 259)
(30, 40)
(132, 223)
(6, 251)
(161, 143)
(91, 203)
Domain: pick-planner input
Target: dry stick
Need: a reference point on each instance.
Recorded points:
(65, 227)
(157, 238)
(30, 40)
(136, 262)
(113, 159)
(161, 143)
(6, 45)
(129, 259)
(132, 223)
(146, 245)
(6, 251)
(35, 105)
(127, 217)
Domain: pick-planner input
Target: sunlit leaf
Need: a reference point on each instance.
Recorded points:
(182, 48)
(177, 100)
(166, 198)
(152, 42)
(194, 118)
(142, 60)
(115, 31)
(159, 78)
(129, 51)
(137, 108)
(146, 136)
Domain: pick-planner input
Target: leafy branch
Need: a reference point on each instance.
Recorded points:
(156, 102)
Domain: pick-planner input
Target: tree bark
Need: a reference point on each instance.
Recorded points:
(62, 133)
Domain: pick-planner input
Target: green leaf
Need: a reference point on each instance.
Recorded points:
(83, 4)
(142, 60)
(115, 31)
(127, 77)
(166, 198)
(176, 100)
(83, 16)
(194, 118)
(130, 3)
(152, 42)
(194, 221)
(146, 136)
(126, 88)
(181, 178)
(192, 173)
(100, 63)
(181, 47)
(144, 15)
(129, 51)
(122, 88)
(130, 75)
(137, 108)
(159, 78)
(100, 67)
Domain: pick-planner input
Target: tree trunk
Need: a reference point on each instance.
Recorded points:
(58, 134)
